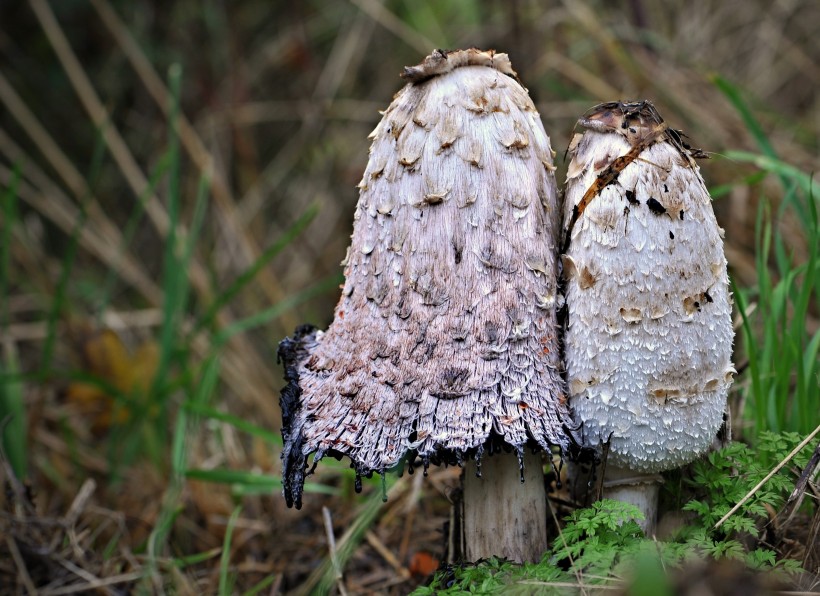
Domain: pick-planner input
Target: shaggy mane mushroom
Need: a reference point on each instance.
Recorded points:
(649, 331)
(444, 345)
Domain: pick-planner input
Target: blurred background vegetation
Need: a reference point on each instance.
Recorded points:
(178, 184)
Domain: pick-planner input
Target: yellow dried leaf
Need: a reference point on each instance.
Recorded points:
(105, 357)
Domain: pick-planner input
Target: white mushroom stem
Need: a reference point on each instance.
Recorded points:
(503, 516)
(638, 489)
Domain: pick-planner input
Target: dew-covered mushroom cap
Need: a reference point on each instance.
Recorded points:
(445, 335)
(649, 335)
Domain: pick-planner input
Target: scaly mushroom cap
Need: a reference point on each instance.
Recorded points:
(649, 336)
(445, 333)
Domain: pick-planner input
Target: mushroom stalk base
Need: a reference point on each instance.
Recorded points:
(637, 489)
(502, 516)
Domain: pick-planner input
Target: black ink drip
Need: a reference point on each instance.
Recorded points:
(291, 352)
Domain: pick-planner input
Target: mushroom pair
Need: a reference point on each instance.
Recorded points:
(445, 343)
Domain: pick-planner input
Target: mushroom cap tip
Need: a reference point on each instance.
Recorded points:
(440, 62)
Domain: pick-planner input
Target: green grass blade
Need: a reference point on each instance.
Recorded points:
(260, 586)
(246, 490)
(721, 190)
(156, 541)
(170, 505)
(808, 380)
(13, 426)
(9, 212)
(179, 451)
(174, 277)
(772, 164)
(784, 262)
(197, 219)
(209, 379)
(146, 432)
(251, 483)
(236, 422)
(226, 476)
(276, 310)
(226, 580)
(179, 462)
(175, 287)
(187, 561)
(751, 347)
(207, 384)
(285, 240)
(811, 364)
(58, 302)
(128, 233)
(735, 97)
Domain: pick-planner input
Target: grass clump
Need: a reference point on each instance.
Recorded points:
(782, 386)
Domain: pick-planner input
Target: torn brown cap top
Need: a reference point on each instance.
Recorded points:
(445, 335)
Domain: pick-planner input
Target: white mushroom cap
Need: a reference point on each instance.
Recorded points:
(445, 334)
(649, 336)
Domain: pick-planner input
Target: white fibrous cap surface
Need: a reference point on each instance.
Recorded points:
(446, 328)
(649, 335)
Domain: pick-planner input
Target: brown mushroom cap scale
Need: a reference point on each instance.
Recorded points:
(445, 336)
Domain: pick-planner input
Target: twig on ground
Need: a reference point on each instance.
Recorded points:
(331, 545)
(801, 486)
(386, 554)
(564, 542)
(774, 471)
(21, 565)
(93, 584)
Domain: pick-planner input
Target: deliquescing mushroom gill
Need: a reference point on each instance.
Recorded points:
(444, 342)
(649, 334)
